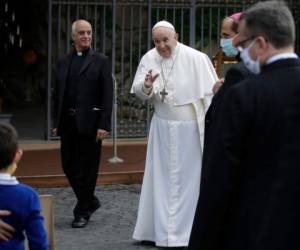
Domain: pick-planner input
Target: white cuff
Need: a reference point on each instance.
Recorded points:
(147, 90)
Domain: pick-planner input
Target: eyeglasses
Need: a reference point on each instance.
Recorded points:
(241, 44)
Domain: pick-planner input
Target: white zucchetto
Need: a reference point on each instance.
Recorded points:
(164, 24)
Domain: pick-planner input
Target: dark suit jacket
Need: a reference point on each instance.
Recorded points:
(235, 74)
(249, 195)
(94, 95)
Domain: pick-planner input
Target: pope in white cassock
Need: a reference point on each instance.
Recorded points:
(178, 80)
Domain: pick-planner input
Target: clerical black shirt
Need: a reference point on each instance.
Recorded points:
(73, 80)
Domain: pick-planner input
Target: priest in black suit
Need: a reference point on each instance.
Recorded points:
(250, 189)
(83, 117)
(234, 75)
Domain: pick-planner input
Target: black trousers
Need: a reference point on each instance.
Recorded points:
(80, 156)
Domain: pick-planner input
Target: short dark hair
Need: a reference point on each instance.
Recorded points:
(273, 20)
(8, 144)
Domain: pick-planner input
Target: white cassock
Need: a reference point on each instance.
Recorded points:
(172, 173)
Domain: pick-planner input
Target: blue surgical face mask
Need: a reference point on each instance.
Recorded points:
(252, 65)
(228, 49)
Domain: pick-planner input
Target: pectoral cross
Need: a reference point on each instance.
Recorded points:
(163, 93)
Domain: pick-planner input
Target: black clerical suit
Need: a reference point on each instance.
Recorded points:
(250, 188)
(84, 105)
(234, 75)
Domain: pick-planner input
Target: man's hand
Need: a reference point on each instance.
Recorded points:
(54, 131)
(5, 229)
(149, 79)
(217, 85)
(101, 134)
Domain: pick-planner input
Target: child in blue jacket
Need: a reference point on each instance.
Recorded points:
(21, 200)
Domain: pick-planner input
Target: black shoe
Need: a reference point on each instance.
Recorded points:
(80, 222)
(86, 210)
(94, 206)
(147, 243)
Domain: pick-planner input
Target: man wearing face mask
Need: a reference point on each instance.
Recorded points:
(234, 75)
(178, 81)
(249, 195)
(229, 30)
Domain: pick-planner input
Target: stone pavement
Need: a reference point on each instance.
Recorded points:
(110, 227)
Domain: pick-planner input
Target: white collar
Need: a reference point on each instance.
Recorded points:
(7, 179)
(281, 56)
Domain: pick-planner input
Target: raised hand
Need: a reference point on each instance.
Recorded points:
(149, 79)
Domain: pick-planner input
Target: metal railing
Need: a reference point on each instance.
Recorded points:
(122, 31)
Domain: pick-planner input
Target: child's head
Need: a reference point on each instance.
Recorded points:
(9, 152)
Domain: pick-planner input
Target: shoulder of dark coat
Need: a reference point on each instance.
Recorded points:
(248, 85)
(100, 55)
(241, 69)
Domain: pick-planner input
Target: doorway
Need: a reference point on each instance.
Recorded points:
(23, 47)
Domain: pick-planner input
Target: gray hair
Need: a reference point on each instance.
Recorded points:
(74, 24)
(273, 20)
(73, 29)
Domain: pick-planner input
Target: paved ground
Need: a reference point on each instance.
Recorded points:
(110, 228)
